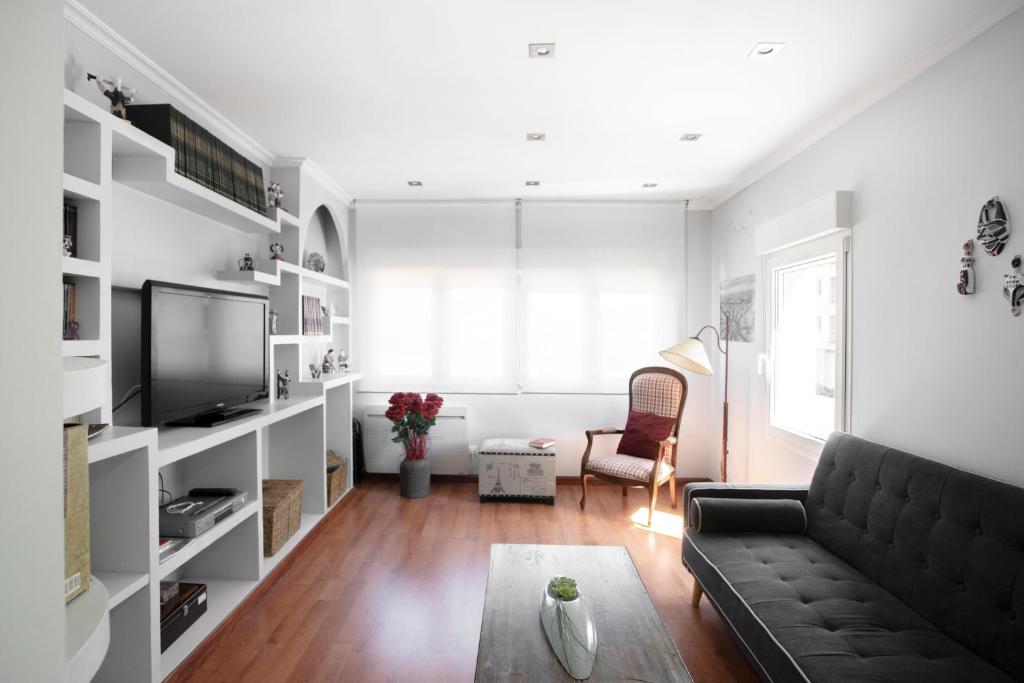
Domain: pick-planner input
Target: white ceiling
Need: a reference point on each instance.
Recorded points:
(382, 91)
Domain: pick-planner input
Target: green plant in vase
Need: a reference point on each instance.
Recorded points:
(569, 626)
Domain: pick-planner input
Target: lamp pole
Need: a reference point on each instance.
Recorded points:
(725, 402)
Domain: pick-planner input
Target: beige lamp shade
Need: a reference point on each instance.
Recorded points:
(689, 354)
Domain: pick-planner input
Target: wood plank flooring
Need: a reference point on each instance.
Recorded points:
(390, 589)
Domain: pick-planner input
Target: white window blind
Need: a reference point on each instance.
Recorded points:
(601, 293)
(436, 295)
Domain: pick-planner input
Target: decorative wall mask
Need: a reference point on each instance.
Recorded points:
(1013, 286)
(966, 283)
(993, 227)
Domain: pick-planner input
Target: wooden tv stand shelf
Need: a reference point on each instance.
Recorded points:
(285, 439)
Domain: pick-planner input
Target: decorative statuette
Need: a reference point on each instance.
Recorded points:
(274, 195)
(342, 360)
(328, 363)
(316, 262)
(993, 227)
(273, 321)
(1013, 286)
(283, 380)
(246, 263)
(314, 370)
(120, 95)
(569, 625)
(68, 245)
(276, 251)
(966, 283)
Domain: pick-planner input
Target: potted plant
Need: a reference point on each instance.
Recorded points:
(569, 626)
(412, 416)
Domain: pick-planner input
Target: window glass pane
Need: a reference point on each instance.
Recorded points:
(804, 372)
(401, 317)
(556, 346)
(475, 316)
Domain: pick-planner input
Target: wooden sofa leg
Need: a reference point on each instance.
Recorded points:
(696, 594)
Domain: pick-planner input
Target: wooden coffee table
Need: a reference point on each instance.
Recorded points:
(632, 642)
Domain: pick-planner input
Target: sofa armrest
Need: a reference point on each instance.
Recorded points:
(713, 489)
(760, 515)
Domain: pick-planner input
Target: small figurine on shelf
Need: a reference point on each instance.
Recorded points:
(68, 245)
(274, 195)
(966, 283)
(71, 331)
(120, 95)
(328, 362)
(316, 262)
(246, 263)
(273, 321)
(1013, 286)
(276, 251)
(324, 311)
(283, 380)
(314, 371)
(342, 360)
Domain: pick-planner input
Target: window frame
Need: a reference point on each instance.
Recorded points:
(838, 245)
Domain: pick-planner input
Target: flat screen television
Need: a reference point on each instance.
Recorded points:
(204, 354)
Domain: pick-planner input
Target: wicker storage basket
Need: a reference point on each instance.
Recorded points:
(282, 512)
(337, 478)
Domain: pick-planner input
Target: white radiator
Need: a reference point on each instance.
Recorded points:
(449, 442)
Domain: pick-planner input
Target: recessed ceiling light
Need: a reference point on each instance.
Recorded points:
(532, 183)
(415, 183)
(542, 50)
(691, 137)
(536, 137)
(765, 50)
(650, 185)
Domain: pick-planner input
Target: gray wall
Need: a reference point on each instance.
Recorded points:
(934, 372)
(32, 536)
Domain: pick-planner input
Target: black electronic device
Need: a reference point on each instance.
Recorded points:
(190, 516)
(204, 354)
(212, 492)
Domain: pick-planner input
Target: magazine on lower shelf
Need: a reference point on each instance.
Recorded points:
(169, 547)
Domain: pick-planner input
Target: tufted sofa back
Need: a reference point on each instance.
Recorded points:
(948, 543)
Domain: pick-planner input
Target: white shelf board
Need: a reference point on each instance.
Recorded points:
(336, 380)
(81, 347)
(322, 278)
(120, 440)
(181, 442)
(280, 339)
(317, 338)
(208, 538)
(80, 267)
(155, 176)
(222, 597)
(86, 632)
(79, 188)
(83, 382)
(121, 585)
(340, 320)
(306, 524)
(283, 217)
(257, 276)
(82, 110)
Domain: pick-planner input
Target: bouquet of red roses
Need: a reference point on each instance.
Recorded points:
(412, 416)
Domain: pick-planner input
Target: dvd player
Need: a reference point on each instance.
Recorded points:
(190, 516)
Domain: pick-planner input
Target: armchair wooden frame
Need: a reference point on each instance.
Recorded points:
(666, 451)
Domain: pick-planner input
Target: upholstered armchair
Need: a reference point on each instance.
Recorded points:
(656, 399)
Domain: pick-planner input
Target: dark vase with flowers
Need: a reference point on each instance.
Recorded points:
(412, 416)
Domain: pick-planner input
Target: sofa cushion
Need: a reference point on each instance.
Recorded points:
(948, 543)
(801, 613)
(644, 433)
(628, 467)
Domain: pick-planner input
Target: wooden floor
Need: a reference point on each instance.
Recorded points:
(390, 589)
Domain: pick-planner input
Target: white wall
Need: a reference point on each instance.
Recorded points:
(31, 473)
(565, 417)
(934, 373)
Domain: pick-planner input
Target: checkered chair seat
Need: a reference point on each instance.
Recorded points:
(628, 467)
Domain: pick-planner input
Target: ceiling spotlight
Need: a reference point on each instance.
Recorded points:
(649, 185)
(532, 183)
(690, 137)
(536, 137)
(765, 50)
(542, 50)
(414, 183)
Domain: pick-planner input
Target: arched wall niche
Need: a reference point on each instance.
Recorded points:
(324, 235)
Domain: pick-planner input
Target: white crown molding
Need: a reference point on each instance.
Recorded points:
(117, 45)
(987, 16)
(318, 174)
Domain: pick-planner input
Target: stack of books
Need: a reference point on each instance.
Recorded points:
(70, 309)
(201, 156)
(312, 322)
(71, 226)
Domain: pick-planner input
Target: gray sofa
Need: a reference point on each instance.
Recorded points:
(905, 570)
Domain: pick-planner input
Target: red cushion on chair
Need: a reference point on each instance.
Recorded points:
(643, 433)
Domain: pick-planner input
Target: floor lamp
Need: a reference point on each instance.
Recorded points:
(689, 354)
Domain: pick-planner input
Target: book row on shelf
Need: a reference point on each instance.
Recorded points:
(312, 316)
(201, 156)
(70, 245)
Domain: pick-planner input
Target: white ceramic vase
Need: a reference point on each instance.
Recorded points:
(569, 626)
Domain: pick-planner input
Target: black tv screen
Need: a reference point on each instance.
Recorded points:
(204, 351)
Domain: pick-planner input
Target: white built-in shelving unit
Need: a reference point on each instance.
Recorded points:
(287, 439)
